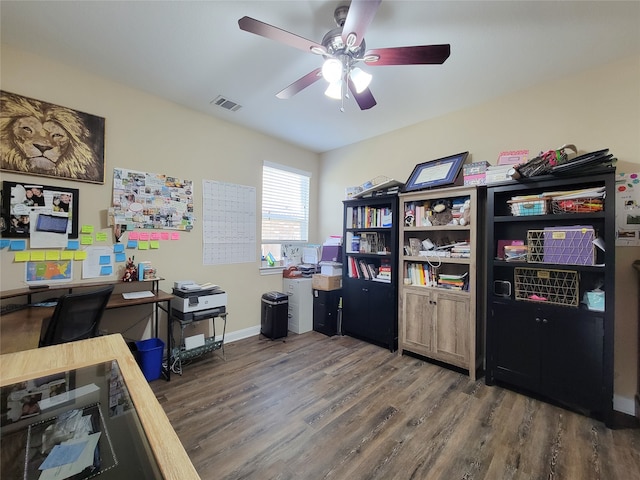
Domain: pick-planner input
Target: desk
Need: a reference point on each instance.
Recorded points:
(20, 330)
(168, 452)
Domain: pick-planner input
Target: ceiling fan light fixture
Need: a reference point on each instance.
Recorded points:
(360, 79)
(332, 70)
(334, 90)
(351, 39)
(318, 50)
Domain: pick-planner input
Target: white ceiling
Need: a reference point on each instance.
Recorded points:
(189, 52)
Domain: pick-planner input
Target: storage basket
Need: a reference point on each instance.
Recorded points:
(562, 245)
(521, 208)
(559, 287)
(578, 205)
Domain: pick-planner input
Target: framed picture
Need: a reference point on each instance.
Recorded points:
(27, 207)
(40, 138)
(436, 173)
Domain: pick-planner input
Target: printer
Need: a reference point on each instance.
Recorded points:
(191, 304)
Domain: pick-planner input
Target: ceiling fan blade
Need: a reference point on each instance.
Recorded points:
(361, 12)
(300, 84)
(418, 55)
(252, 25)
(364, 99)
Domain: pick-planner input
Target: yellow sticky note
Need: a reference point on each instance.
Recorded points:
(154, 244)
(86, 239)
(37, 255)
(143, 245)
(66, 255)
(52, 255)
(87, 228)
(101, 237)
(22, 257)
(80, 255)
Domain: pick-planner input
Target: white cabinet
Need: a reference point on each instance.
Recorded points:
(300, 304)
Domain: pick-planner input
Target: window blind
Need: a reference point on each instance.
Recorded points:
(285, 204)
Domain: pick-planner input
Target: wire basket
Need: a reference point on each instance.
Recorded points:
(521, 208)
(578, 205)
(558, 287)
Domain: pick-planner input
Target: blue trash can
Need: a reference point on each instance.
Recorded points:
(150, 354)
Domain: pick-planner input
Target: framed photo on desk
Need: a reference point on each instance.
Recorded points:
(23, 203)
(436, 173)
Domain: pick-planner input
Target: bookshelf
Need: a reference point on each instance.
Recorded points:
(542, 337)
(370, 261)
(439, 312)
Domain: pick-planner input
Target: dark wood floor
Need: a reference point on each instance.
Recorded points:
(314, 407)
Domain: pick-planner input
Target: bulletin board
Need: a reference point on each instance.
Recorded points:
(152, 200)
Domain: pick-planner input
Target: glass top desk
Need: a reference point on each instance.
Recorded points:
(82, 410)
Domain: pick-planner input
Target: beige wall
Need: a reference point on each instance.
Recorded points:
(594, 109)
(146, 133)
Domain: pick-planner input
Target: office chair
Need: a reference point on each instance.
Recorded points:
(76, 317)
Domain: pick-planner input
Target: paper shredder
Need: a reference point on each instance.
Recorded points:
(275, 315)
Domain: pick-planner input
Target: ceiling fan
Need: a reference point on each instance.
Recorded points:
(342, 49)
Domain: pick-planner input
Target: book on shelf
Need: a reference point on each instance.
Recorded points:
(369, 217)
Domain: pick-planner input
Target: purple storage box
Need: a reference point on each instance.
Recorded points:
(570, 245)
(331, 253)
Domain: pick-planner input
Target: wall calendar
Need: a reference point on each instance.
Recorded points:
(228, 223)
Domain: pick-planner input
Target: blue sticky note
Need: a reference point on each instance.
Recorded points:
(63, 455)
(132, 244)
(105, 259)
(73, 245)
(121, 257)
(118, 248)
(18, 245)
(4, 243)
(106, 270)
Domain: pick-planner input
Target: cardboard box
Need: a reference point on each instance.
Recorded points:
(326, 282)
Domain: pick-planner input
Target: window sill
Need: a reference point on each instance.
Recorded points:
(275, 270)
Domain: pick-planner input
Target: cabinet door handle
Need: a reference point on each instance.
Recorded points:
(544, 320)
(538, 319)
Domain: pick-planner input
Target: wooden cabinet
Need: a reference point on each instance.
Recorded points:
(556, 353)
(542, 334)
(370, 268)
(439, 317)
(436, 325)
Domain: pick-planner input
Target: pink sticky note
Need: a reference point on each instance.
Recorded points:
(175, 235)
(164, 235)
(144, 236)
(134, 235)
(154, 236)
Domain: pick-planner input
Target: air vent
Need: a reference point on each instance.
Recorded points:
(225, 103)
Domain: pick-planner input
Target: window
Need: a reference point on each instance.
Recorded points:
(285, 207)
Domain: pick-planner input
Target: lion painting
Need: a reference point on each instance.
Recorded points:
(40, 138)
